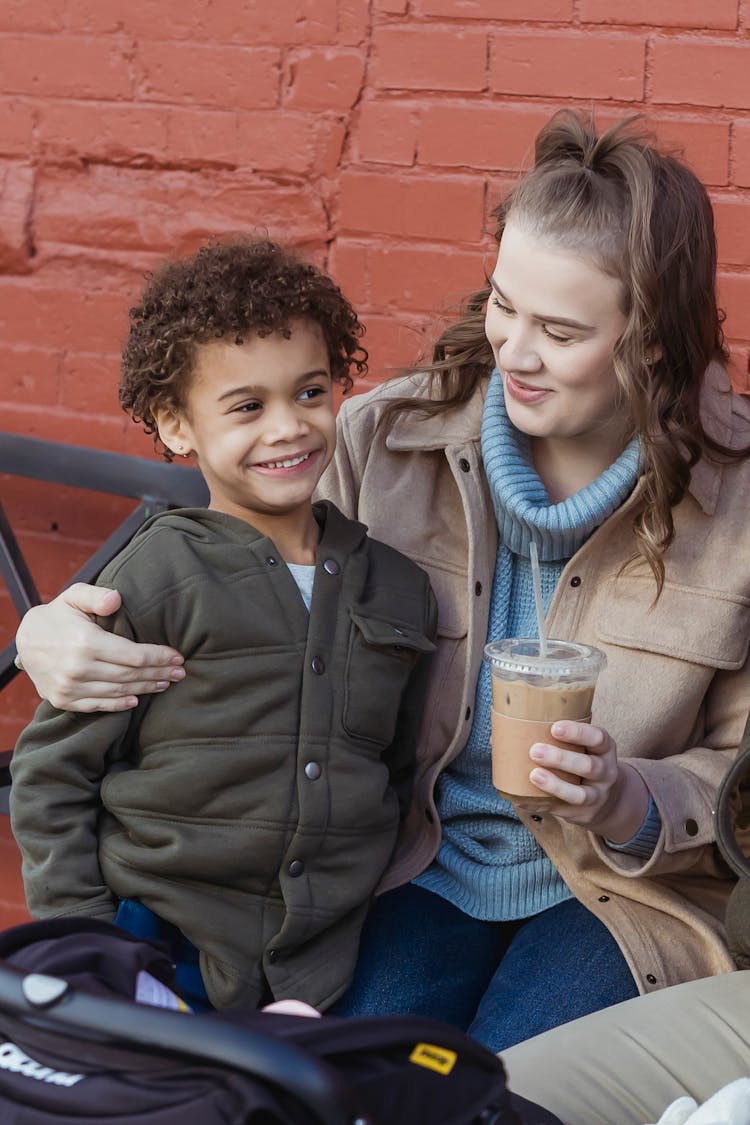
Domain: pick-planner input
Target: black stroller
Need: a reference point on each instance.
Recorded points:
(75, 1048)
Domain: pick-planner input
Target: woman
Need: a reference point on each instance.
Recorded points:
(580, 403)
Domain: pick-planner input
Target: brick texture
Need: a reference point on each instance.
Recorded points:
(376, 137)
(590, 66)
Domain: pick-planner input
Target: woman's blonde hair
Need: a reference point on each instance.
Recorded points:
(645, 219)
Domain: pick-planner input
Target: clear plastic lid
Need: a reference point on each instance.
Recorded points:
(519, 656)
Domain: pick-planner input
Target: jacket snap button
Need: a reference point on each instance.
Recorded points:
(273, 956)
(296, 868)
(331, 566)
(536, 817)
(318, 665)
(603, 898)
(575, 580)
(478, 588)
(467, 714)
(464, 465)
(312, 771)
(650, 978)
(271, 561)
(691, 827)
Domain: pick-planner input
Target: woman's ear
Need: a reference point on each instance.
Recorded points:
(174, 431)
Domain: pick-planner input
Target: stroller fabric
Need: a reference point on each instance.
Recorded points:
(93, 1055)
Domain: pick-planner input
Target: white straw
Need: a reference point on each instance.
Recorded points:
(538, 604)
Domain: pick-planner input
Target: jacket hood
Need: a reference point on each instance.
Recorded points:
(204, 525)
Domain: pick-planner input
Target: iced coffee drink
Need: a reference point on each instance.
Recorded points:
(529, 693)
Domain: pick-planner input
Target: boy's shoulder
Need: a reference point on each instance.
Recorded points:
(171, 547)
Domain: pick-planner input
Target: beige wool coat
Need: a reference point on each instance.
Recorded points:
(676, 689)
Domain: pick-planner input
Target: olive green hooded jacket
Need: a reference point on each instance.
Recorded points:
(256, 804)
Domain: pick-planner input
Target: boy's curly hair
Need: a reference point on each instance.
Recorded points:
(227, 290)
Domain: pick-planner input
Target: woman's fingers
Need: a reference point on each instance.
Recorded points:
(589, 765)
(78, 666)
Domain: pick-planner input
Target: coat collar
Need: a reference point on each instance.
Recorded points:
(415, 431)
(453, 428)
(338, 533)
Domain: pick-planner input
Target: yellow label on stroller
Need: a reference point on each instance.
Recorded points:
(439, 1059)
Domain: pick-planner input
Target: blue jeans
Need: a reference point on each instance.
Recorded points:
(141, 922)
(501, 981)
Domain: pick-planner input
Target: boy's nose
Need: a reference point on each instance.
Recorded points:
(283, 424)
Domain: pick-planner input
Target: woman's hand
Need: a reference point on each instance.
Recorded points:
(78, 666)
(610, 798)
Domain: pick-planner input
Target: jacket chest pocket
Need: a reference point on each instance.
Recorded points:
(380, 659)
(694, 624)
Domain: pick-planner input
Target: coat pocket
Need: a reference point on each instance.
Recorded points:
(380, 658)
(694, 624)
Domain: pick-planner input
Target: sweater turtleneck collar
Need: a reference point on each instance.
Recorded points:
(521, 503)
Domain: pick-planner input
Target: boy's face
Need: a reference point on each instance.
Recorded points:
(260, 418)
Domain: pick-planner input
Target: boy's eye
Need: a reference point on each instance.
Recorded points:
(503, 308)
(247, 408)
(311, 392)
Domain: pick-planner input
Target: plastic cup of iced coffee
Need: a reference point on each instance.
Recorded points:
(530, 692)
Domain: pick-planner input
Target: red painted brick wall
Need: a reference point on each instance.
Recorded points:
(374, 135)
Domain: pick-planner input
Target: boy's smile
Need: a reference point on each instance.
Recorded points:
(259, 416)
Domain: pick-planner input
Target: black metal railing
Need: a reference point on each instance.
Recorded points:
(156, 486)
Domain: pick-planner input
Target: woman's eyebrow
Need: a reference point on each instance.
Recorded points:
(546, 319)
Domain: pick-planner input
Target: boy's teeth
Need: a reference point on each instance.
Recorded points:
(290, 461)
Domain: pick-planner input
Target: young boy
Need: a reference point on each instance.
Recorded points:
(249, 814)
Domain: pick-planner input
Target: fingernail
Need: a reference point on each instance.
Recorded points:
(177, 674)
(560, 730)
(539, 777)
(161, 685)
(537, 752)
(177, 660)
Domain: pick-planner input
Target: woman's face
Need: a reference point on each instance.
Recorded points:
(553, 319)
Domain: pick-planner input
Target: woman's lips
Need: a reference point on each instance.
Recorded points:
(524, 394)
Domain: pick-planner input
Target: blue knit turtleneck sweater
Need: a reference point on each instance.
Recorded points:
(489, 864)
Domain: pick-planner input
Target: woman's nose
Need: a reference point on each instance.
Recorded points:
(517, 353)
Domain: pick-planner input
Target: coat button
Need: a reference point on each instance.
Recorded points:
(603, 898)
(273, 956)
(296, 868)
(650, 978)
(575, 580)
(271, 561)
(536, 817)
(312, 771)
(691, 827)
(477, 588)
(464, 465)
(318, 665)
(467, 714)
(331, 566)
